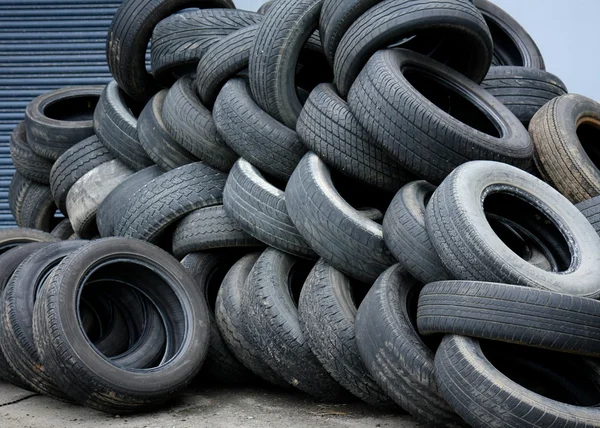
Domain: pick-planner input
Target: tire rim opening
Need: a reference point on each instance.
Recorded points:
(73, 109)
(506, 51)
(297, 277)
(588, 132)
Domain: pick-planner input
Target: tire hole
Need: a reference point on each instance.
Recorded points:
(296, 278)
(588, 133)
(506, 51)
(72, 109)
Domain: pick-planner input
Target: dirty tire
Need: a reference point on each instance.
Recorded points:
(166, 199)
(115, 123)
(88, 377)
(271, 318)
(31, 204)
(112, 207)
(128, 37)
(158, 143)
(328, 128)
(564, 133)
(394, 353)
(208, 229)
(228, 314)
(327, 311)
(410, 126)
(591, 210)
(471, 250)
(63, 230)
(523, 90)
(89, 191)
(28, 163)
(192, 126)
(406, 236)
(260, 209)
(74, 164)
(335, 230)
(255, 135)
(13, 237)
(511, 313)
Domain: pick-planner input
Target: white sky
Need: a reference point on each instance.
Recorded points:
(566, 31)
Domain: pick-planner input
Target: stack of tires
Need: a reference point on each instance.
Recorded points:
(368, 198)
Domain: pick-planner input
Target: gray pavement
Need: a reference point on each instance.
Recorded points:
(214, 407)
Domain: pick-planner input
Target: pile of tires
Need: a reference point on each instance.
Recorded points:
(369, 199)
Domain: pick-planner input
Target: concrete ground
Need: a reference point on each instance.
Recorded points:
(214, 407)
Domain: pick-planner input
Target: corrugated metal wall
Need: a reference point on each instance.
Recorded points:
(44, 45)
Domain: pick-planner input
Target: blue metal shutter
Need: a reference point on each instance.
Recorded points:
(44, 45)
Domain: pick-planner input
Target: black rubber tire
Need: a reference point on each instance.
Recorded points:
(112, 207)
(328, 128)
(565, 154)
(88, 377)
(128, 37)
(89, 191)
(230, 320)
(260, 209)
(271, 319)
(277, 47)
(181, 40)
(31, 204)
(335, 230)
(208, 270)
(13, 237)
(471, 250)
(56, 120)
(426, 139)
(512, 44)
(9, 261)
(471, 384)
(208, 229)
(28, 163)
(74, 164)
(223, 61)
(327, 311)
(511, 313)
(63, 230)
(192, 126)
(591, 210)
(158, 143)
(115, 123)
(255, 135)
(16, 332)
(166, 199)
(454, 31)
(406, 237)
(523, 90)
(394, 352)
(263, 9)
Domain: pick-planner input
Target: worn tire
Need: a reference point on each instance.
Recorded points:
(88, 377)
(406, 236)
(271, 318)
(208, 229)
(115, 123)
(523, 90)
(328, 128)
(591, 210)
(89, 191)
(512, 44)
(128, 37)
(277, 47)
(166, 199)
(13, 237)
(260, 209)
(229, 317)
(471, 250)
(158, 143)
(74, 164)
(565, 153)
(335, 230)
(466, 47)
(63, 230)
(431, 139)
(255, 135)
(192, 126)
(394, 352)
(327, 311)
(112, 207)
(28, 163)
(57, 120)
(181, 40)
(31, 204)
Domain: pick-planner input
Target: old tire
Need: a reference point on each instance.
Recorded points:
(31, 204)
(28, 163)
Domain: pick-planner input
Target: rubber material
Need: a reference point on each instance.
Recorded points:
(31, 204)
(63, 230)
(591, 210)
(28, 163)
